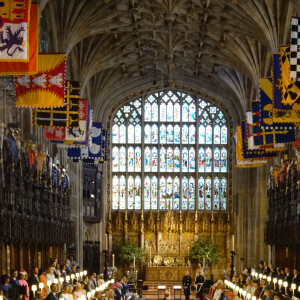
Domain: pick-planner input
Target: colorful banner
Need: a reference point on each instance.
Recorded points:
(295, 50)
(281, 113)
(61, 134)
(104, 146)
(14, 30)
(67, 116)
(30, 65)
(47, 88)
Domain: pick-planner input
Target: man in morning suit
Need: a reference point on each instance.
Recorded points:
(187, 282)
(16, 289)
(52, 294)
(199, 282)
(34, 280)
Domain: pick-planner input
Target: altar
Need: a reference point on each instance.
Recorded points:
(164, 273)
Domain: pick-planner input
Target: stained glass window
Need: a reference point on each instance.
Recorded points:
(159, 144)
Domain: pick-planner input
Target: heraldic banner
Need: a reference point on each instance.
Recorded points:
(10, 51)
(47, 87)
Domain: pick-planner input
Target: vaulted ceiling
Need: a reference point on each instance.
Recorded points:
(119, 47)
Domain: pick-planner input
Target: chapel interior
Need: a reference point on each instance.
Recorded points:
(164, 84)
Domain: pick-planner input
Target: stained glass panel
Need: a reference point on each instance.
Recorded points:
(177, 112)
(147, 159)
(184, 193)
(170, 134)
(223, 160)
(163, 134)
(130, 159)
(147, 134)
(216, 193)
(154, 134)
(130, 137)
(115, 192)
(208, 160)
(163, 159)
(122, 194)
(217, 134)
(122, 136)
(163, 112)
(170, 112)
(192, 160)
(138, 159)
(185, 163)
(192, 193)
(154, 192)
(176, 192)
(147, 112)
(138, 192)
(115, 134)
(223, 192)
(115, 159)
(154, 159)
(208, 134)
(192, 134)
(201, 134)
(185, 112)
(201, 160)
(177, 134)
(224, 135)
(201, 193)
(169, 192)
(208, 193)
(170, 160)
(122, 159)
(217, 160)
(154, 112)
(185, 134)
(130, 201)
(147, 193)
(192, 112)
(176, 160)
(138, 134)
(162, 193)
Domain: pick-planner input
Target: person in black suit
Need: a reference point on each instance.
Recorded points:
(52, 294)
(118, 291)
(266, 270)
(199, 283)
(187, 282)
(296, 280)
(16, 288)
(34, 280)
(53, 266)
(288, 277)
(68, 267)
(85, 282)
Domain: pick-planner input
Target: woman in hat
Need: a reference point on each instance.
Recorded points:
(24, 285)
(5, 287)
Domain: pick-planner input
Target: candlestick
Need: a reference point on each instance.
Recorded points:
(113, 260)
(34, 288)
(232, 240)
(41, 285)
(134, 262)
(150, 255)
(106, 242)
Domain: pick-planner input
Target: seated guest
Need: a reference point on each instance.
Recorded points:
(241, 281)
(218, 290)
(124, 286)
(34, 280)
(296, 280)
(5, 287)
(278, 273)
(24, 285)
(260, 267)
(257, 288)
(235, 279)
(101, 279)
(53, 291)
(77, 293)
(248, 286)
(63, 271)
(110, 295)
(272, 271)
(70, 291)
(269, 294)
(85, 282)
(95, 280)
(83, 290)
(277, 296)
(91, 283)
(282, 274)
(65, 293)
(15, 289)
(264, 288)
(118, 292)
(97, 295)
(50, 276)
(43, 279)
(73, 269)
(266, 270)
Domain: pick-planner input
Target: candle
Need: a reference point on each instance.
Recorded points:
(150, 254)
(203, 262)
(48, 283)
(34, 288)
(61, 279)
(232, 237)
(188, 251)
(293, 288)
(106, 242)
(134, 262)
(55, 281)
(113, 260)
(84, 272)
(41, 285)
(89, 294)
